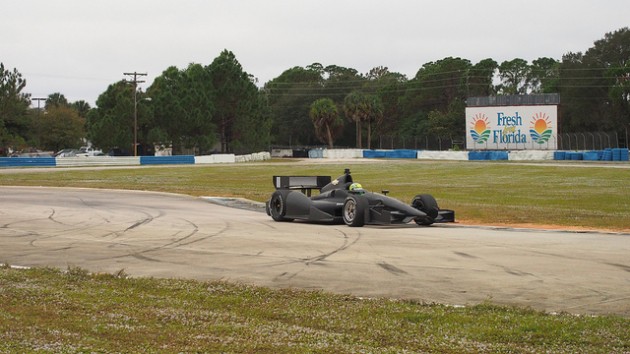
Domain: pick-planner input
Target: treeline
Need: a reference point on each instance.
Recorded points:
(219, 107)
(199, 109)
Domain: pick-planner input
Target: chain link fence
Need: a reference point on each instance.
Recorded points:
(565, 141)
(593, 140)
(435, 143)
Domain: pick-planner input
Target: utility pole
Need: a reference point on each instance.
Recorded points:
(135, 108)
(38, 99)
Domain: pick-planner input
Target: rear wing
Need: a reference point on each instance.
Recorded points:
(303, 183)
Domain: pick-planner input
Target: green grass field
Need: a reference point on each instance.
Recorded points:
(71, 311)
(46, 310)
(484, 193)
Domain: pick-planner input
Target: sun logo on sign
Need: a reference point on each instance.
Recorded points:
(540, 129)
(480, 131)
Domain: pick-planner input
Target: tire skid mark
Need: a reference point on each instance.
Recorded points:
(145, 258)
(346, 244)
(620, 266)
(606, 301)
(98, 208)
(93, 207)
(169, 245)
(148, 218)
(465, 255)
(314, 260)
(51, 217)
(40, 237)
(391, 268)
(268, 223)
(20, 233)
(54, 218)
(178, 242)
(139, 223)
(563, 257)
(516, 272)
(284, 276)
(62, 233)
(73, 228)
(25, 221)
(226, 226)
(62, 248)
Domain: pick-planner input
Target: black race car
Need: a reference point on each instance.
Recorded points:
(343, 201)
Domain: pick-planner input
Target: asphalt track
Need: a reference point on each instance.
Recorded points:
(168, 235)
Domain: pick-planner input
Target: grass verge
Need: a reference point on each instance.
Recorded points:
(479, 192)
(47, 310)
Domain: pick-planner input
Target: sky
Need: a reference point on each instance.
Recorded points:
(78, 47)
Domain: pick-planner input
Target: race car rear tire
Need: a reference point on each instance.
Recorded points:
(428, 205)
(278, 206)
(354, 209)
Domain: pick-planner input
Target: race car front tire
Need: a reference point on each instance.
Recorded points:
(428, 205)
(354, 209)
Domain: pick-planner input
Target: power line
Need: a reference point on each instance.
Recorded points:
(135, 77)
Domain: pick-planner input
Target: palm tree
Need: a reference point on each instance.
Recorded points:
(82, 108)
(375, 114)
(326, 120)
(56, 100)
(356, 109)
(360, 107)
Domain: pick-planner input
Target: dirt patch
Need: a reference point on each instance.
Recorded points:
(544, 227)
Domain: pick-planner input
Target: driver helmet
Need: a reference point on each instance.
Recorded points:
(356, 187)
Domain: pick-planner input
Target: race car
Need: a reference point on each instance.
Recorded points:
(343, 201)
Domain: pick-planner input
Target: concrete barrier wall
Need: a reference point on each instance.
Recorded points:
(282, 153)
(529, 155)
(487, 155)
(594, 155)
(79, 161)
(443, 155)
(390, 154)
(217, 158)
(97, 161)
(615, 155)
(167, 160)
(27, 161)
(316, 153)
(258, 156)
(343, 153)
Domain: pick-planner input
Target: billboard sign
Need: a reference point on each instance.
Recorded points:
(512, 127)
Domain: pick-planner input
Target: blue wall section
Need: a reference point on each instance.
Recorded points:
(373, 154)
(615, 155)
(402, 154)
(597, 155)
(27, 162)
(167, 160)
(487, 155)
(390, 154)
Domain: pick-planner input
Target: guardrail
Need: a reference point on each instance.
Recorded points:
(167, 160)
(27, 161)
(593, 155)
(80, 161)
(620, 154)
(614, 155)
(97, 161)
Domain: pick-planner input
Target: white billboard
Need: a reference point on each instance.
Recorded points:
(512, 128)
